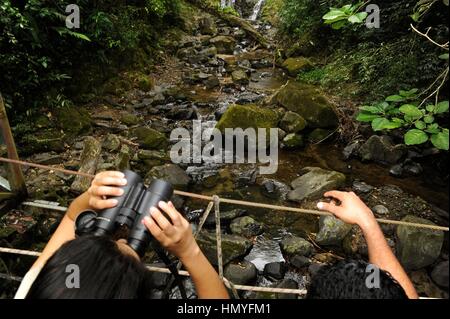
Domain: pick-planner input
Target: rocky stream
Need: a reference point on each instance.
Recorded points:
(222, 77)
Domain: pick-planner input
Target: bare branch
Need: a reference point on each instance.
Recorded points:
(443, 46)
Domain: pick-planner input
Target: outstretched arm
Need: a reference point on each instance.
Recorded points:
(178, 239)
(353, 211)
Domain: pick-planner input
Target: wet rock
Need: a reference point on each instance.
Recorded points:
(209, 52)
(292, 122)
(73, 121)
(381, 149)
(224, 44)
(296, 65)
(171, 173)
(185, 53)
(248, 97)
(314, 183)
(239, 77)
(299, 261)
(233, 246)
(212, 82)
(123, 158)
(309, 103)
(440, 274)
(111, 143)
(263, 252)
(225, 217)
(362, 187)
(412, 168)
(283, 284)
(416, 247)
(314, 268)
(274, 189)
(246, 226)
(380, 210)
(319, 135)
(88, 164)
(152, 158)
(293, 141)
(293, 245)
(129, 119)
(242, 273)
(149, 138)
(396, 170)
(332, 231)
(425, 286)
(181, 113)
(351, 150)
(275, 270)
(159, 280)
(247, 178)
(47, 140)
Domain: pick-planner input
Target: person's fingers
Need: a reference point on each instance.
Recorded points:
(116, 174)
(154, 229)
(329, 207)
(162, 221)
(106, 191)
(100, 204)
(174, 215)
(336, 194)
(110, 180)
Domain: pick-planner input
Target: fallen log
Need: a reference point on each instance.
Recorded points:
(233, 20)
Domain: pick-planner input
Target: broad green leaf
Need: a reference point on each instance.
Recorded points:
(339, 25)
(433, 128)
(395, 98)
(441, 107)
(358, 18)
(411, 111)
(430, 108)
(415, 137)
(371, 109)
(440, 140)
(444, 56)
(366, 117)
(415, 16)
(420, 125)
(384, 124)
(429, 119)
(397, 120)
(333, 14)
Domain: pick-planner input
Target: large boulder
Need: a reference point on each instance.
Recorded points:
(224, 44)
(149, 138)
(171, 173)
(245, 116)
(417, 247)
(242, 273)
(233, 246)
(293, 245)
(294, 66)
(332, 231)
(309, 103)
(381, 149)
(292, 122)
(314, 183)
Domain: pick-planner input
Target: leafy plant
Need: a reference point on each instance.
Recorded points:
(339, 17)
(402, 111)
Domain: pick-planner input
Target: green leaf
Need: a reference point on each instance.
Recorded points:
(444, 56)
(371, 109)
(339, 25)
(433, 128)
(429, 119)
(395, 98)
(415, 137)
(420, 125)
(430, 108)
(441, 107)
(411, 111)
(380, 124)
(333, 14)
(366, 117)
(358, 18)
(440, 140)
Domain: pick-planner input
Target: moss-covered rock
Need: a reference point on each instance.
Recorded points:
(224, 44)
(332, 231)
(296, 65)
(247, 116)
(73, 121)
(308, 102)
(240, 77)
(292, 122)
(416, 247)
(293, 140)
(319, 135)
(246, 226)
(293, 245)
(129, 119)
(42, 141)
(145, 83)
(149, 138)
(171, 173)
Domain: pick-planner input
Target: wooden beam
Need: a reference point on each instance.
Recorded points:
(15, 175)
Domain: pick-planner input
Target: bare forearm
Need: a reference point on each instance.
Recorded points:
(205, 278)
(381, 255)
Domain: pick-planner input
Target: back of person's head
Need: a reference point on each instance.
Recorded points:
(104, 272)
(348, 280)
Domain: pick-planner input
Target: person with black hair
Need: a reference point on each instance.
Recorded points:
(350, 279)
(109, 268)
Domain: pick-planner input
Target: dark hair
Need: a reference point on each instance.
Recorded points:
(347, 280)
(105, 272)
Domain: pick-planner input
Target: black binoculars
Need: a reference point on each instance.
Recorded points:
(132, 207)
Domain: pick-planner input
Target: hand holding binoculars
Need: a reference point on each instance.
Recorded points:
(132, 207)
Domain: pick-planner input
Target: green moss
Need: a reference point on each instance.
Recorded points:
(314, 76)
(146, 83)
(296, 65)
(150, 139)
(247, 116)
(73, 121)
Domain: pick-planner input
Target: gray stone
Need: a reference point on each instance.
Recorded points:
(225, 217)
(380, 210)
(293, 141)
(275, 270)
(332, 231)
(246, 226)
(171, 173)
(240, 77)
(416, 247)
(362, 187)
(274, 189)
(299, 261)
(292, 122)
(380, 149)
(111, 143)
(224, 44)
(440, 274)
(242, 273)
(293, 245)
(88, 164)
(314, 183)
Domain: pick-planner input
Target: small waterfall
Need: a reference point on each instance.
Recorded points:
(227, 3)
(257, 10)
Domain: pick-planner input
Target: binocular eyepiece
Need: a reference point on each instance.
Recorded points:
(132, 207)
